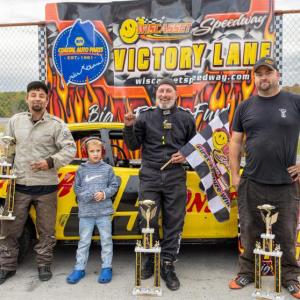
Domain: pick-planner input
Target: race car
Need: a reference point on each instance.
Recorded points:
(200, 224)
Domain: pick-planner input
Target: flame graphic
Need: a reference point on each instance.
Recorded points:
(219, 96)
(217, 99)
(66, 183)
(247, 88)
(267, 34)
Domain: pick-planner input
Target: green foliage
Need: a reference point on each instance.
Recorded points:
(12, 103)
(292, 89)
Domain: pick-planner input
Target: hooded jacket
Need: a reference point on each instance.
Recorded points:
(91, 178)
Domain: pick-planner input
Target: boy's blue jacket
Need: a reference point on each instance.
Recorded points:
(89, 179)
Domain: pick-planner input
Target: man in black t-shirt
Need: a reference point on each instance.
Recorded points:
(270, 121)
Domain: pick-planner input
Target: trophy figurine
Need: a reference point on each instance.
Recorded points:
(6, 173)
(267, 249)
(146, 246)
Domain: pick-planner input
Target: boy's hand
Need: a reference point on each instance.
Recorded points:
(99, 196)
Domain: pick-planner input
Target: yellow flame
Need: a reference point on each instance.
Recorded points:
(247, 89)
(217, 102)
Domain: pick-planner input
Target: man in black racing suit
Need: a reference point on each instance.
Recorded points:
(161, 131)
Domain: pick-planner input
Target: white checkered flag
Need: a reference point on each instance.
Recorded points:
(207, 152)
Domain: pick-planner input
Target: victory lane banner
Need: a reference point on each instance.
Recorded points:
(103, 57)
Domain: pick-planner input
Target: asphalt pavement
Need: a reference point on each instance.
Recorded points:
(204, 272)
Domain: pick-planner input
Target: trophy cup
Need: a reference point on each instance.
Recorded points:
(146, 246)
(267, 249)
(6, 173)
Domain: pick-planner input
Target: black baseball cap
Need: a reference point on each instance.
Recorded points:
(34, 85)
(168, 81)
(267, 62)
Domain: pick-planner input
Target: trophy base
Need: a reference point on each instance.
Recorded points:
(260, 295)
(7, 218)
(6, 176)
(147, 291)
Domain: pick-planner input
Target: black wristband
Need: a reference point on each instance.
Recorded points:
(50, 162)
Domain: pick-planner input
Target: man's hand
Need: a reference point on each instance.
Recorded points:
(294, 172)
(40, 165)
(129, 117)
(177, 158)
(99, 196)
(236, 181)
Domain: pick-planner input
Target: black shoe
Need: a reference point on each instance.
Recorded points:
(148, 268)
(5, 274)
(169, 276)
(44, 273)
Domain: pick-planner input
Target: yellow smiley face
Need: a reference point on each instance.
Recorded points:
(128, 31)
(220, 139)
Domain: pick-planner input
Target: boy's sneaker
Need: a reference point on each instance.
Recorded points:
(75, 276)
(240, 281)
(105, 275)
(44, 273)
(294, 289)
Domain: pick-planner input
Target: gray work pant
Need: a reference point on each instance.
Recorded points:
(45, 206)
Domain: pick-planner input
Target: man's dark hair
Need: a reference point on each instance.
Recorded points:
(35, 85)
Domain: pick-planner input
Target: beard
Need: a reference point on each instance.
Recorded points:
(265, 86)
(37, 108)
(165, 105)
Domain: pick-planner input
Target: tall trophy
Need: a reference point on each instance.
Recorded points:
(6, 173)
(267, 249)
(146, 246)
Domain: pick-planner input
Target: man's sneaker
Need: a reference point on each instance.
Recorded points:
(5, 274)
(148, 268)
(294, 289)
(44, 273)
(75, 276)
(240, 281)
(169, 276)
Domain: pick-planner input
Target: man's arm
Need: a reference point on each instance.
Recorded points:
(294, 172)
(66, 145)
(235, 147)
(133, 131)
(9, 131)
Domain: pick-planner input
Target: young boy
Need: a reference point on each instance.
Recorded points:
(95, 184)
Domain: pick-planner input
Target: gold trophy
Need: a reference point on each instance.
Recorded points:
(6, 173)
(267, 249)
(146, 246)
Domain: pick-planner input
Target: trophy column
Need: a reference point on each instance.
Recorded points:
(147, 247)
(6, 173)
(267, 250)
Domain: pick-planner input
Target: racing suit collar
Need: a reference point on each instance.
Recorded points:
(168, 111)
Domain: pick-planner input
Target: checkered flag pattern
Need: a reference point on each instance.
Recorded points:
(42, 52)
(278, 53)
(211, 164)
(153, 20)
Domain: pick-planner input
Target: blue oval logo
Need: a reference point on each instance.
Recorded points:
(80, 53)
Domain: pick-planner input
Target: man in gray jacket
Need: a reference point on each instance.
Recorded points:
(43, 144)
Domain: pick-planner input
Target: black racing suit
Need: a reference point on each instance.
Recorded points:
(162, 133)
